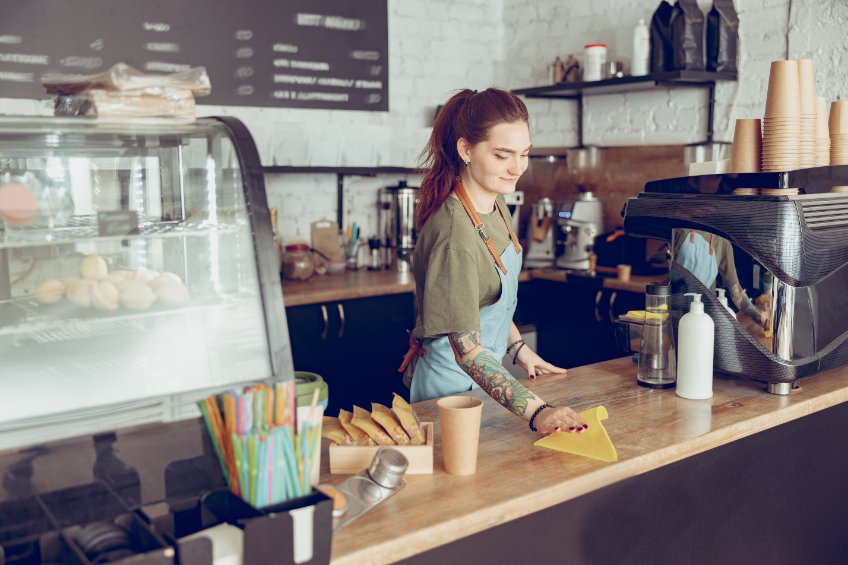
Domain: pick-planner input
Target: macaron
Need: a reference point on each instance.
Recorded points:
(18, 205)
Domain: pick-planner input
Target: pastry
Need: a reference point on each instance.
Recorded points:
(408, 419)
(333, 430)
(120, 276)
(18, 205)
(362, 420)
(49, 292)
(104, 296)
(389, 422)
(145, 275)
(136, 295)
(357, 436)
(93, 267)
(171, 292)
(165, 278)
(79, 291)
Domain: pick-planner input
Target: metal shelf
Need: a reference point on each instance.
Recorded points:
(341, 173)
(673, 79)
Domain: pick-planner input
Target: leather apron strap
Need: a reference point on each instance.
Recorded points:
(462, 195)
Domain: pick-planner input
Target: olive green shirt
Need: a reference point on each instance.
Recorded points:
(455, 275)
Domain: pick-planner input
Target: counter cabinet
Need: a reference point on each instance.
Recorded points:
(355, 345)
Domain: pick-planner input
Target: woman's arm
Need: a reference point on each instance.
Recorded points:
(527, 358)
(488, 372)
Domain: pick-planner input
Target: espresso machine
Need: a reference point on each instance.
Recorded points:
(579, 221)
(397, 206)
(540, 235)
(790, 251)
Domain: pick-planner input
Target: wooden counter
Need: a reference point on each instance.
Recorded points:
(364, 284)
(650, 429)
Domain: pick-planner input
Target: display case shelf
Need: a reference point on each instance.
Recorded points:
(619, 85)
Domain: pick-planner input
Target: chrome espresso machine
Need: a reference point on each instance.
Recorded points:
(579, 221)
(789, 239)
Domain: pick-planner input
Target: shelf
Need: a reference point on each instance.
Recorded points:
(673, 79)
(359, 171)
(815, 180)
(340, 173)
(85, 229)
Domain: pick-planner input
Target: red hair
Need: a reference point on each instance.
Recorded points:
(470, 115)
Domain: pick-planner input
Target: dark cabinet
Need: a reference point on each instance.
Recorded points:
(355, 345)
(575, 319)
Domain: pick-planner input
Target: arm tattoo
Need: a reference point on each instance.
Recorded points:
(464, 342)
(488, 372)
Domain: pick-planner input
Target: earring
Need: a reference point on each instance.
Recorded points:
(467, 163)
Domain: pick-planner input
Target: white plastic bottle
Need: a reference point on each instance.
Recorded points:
(695, 343)
(720, 292)
(641, 49)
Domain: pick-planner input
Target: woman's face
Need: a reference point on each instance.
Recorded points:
(496, 163)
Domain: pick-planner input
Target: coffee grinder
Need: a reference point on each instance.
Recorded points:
(540, 235)
(397, 206)
(579, 220)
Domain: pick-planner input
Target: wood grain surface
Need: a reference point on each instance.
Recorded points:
(650, 428)
(364, 284)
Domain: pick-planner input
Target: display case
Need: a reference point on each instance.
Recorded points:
(137, 273)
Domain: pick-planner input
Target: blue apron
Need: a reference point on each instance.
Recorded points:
(696, 258)
(437, 372)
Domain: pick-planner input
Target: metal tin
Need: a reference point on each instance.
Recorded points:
(387, 467)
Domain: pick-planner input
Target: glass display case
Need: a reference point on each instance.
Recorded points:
(137, 273)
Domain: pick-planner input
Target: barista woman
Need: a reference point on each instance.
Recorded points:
(466, 261)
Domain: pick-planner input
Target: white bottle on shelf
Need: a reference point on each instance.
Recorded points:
(695, 341)
(641, 49)
(720, 292)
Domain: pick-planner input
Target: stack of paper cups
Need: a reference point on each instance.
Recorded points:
(807, 85)
(782, 123)
(838, 127)
(822, 133)
(747, 146)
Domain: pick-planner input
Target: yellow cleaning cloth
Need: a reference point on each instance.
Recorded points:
(594, 442)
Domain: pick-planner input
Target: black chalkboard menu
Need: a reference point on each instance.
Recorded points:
(330, 54)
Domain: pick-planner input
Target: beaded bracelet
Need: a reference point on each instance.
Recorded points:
(513, 344)
(536, 413)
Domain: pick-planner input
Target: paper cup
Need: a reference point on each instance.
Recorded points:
(838, 120)
(784, 92)
(747, 146)
(821, 118)
(459, 418)
(623, 272)
(807, 86)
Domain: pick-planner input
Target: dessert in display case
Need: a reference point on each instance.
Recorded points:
(137, 276)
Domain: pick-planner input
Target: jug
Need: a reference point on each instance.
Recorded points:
(657, 357)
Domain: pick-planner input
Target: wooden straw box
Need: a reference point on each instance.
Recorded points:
(350, 459)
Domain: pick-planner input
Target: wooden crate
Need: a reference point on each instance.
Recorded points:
(350, 459)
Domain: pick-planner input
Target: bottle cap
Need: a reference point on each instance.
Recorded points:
(720, 292)
(697, 306)
(658, 289)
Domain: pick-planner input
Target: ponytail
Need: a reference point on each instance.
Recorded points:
(470, 115)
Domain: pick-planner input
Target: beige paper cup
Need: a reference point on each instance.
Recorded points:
(822, 130)
(623, 272)
(747, 146)
(838, 121)
(784, 90)
(459, 418)
(807, 85)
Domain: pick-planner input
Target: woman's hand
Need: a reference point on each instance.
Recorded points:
(535, 365)
(561, 419)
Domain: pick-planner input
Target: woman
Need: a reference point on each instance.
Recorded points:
(466, 261)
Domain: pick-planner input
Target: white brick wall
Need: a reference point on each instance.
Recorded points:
(437, 46)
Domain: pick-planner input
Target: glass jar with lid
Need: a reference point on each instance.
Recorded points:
(298, 264)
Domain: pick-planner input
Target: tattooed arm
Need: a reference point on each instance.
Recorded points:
(488, 372)
(743, 303)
